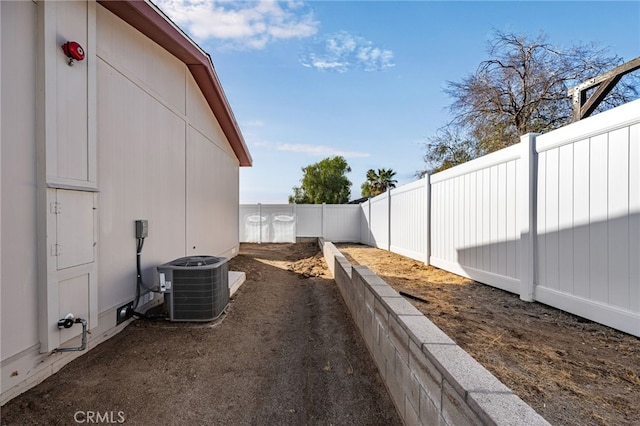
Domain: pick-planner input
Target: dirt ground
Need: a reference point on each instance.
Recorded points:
(285, 353)
(571, 370)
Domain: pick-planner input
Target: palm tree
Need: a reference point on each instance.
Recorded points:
(378, 182)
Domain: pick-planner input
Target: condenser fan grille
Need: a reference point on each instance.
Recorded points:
(199, 289)
(195, 261)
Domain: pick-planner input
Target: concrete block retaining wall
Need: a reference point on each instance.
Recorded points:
(431, 380)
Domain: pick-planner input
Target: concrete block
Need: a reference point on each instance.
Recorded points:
(369, 298)
(463, 372)
(399, 338)
(367, 318)
(411, 414)
(375, 281)
(381, 313)
(396, 392)
(362, 271)
(389, 352)
(385, 291)
(359, 288)
(356, 313)
(380, 360)
(362, 316)
(427, 375)
(344, 263)
(368, 329)
(340, 270)
(428, 412)
(399, 306)
(422, 330)
(504, 409)
(455, 410)
(408, 381)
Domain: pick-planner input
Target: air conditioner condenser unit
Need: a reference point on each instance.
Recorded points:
(196, 288)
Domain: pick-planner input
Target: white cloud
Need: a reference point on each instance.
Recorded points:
(241, 24)
(343, 51)
(315, 150)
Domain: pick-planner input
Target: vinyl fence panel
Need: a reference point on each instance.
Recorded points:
(475, 220)
(409, 220)
(267, 223)
(365, 220)
(342, 222)
(254, 227)
(379, 221)
(279, 223)
(309, 220)
(588, 224)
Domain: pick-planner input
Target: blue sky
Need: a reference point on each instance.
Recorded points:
(365, 79)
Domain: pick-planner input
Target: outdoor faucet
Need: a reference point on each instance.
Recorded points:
(67, 322)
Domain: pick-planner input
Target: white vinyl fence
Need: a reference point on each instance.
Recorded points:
(555, 219)
(588, 218)
(282, 223)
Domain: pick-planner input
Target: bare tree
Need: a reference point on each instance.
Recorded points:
(521, 89)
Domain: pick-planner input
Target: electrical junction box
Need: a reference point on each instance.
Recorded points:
(142, 228)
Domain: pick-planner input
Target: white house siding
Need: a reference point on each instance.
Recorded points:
(19, 269)
(126, 134)
(155, 129)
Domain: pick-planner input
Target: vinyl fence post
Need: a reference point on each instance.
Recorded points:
(324, 205)
(260, 223)
(528, 227)
(369, 222)
(388, 219)
(295, 222)
(427, 216)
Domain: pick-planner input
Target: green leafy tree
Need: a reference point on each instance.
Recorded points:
(521, 89)
(324, 182)
(378, 182)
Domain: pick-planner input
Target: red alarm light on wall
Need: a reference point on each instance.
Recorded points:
(74, 51)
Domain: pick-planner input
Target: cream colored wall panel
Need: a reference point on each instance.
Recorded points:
(71, 85)
(73, 299)
(75, 228)
(202, 119)
(212, 197)
(142, 60)
(166, 75)
(18, 178)
(142, 175)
